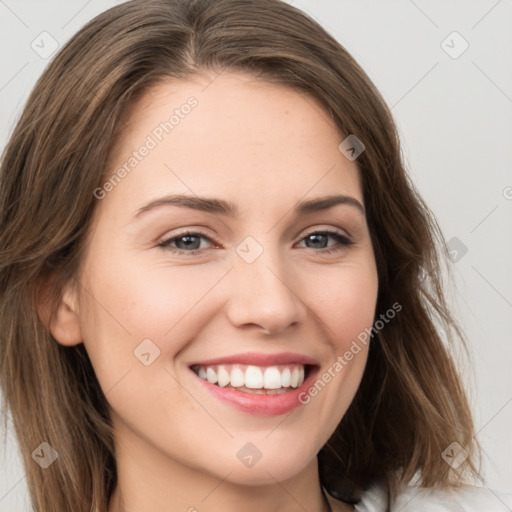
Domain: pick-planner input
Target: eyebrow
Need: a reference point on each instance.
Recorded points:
(221, 207)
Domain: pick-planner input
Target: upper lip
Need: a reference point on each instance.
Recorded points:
(259, 359)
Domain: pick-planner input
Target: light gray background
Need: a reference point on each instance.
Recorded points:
(455, 120)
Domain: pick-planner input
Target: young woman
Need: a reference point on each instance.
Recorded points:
(219, 289)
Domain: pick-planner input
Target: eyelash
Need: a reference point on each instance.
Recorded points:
(343, 242)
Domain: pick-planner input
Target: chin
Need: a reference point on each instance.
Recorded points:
(275, 463)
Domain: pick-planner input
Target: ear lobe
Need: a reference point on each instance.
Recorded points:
(62, 317)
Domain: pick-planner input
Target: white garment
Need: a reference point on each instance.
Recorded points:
(412, 498)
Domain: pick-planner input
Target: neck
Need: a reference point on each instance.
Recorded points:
(149, 481)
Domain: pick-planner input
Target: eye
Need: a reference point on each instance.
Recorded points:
(189, 242)
(319, 237)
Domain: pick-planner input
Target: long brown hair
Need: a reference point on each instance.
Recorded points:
(410, 405)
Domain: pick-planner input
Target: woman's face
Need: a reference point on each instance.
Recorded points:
(270, 283)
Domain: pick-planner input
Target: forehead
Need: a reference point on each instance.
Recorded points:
(229, 135)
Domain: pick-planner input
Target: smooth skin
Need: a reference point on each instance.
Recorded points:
(263, 147)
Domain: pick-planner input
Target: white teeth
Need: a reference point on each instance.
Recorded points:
(211, 376)
(237, 377)
(301, 376)
(285, 378)
(222, 376)
(272, 378)
(253, 378)
(294, 380)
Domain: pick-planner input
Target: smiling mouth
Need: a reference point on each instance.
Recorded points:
(270, 380)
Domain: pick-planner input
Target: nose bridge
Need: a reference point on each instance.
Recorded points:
(261, 292)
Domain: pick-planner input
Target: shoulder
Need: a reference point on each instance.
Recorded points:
(412, 498)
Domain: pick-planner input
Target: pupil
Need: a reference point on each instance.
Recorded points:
(314, 238)
(188, 243)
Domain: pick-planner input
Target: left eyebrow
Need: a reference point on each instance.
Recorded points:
(324, 203)
(221, 207)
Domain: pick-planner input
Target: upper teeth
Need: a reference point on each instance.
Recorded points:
(253, 377)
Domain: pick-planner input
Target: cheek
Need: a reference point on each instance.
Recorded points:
(346, 304)
(166, 302)
(127, 304)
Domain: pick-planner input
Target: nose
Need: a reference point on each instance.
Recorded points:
(264, 294)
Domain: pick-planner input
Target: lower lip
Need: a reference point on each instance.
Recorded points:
(261, 404)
